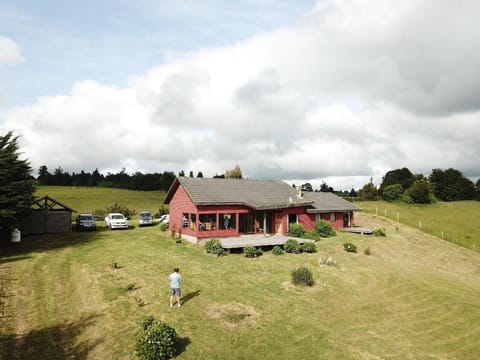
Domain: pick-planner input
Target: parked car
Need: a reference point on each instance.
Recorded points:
(145, 218)
(116, 221)
(86, 222)
(164, 219)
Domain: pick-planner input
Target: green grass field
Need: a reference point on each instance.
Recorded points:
(457, 222)
(89, 199)
(414, 297)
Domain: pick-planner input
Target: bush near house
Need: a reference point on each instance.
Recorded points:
(308, 247)
(296, 230)
(251, 251)
(277, 250)
(212, 246)
(292, 246)
(324, 229)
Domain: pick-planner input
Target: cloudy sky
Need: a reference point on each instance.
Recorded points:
(331, 91)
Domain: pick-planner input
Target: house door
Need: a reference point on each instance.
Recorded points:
(245, 223)
(292, 219)
(346, 219)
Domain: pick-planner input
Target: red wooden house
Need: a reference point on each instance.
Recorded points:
(202, 208)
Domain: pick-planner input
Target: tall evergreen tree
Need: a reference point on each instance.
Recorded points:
(17, 187)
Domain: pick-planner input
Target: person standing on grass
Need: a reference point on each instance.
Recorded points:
(175, 279)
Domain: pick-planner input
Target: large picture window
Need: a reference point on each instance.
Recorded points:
(208, 222)
(227, 221)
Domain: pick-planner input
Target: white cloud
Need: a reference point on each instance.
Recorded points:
(355, 89)
(9, 52)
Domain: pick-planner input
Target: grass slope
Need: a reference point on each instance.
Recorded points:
(89, 199)
(415, 297)
(457, 222)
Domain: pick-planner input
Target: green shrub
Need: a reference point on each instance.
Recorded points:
(220, 252)
(155, 341)
(115, 208)
(296, 230)
(380, 232)
(302, 276)
(251, 251)
(349, 247)
(163, 227)
(292, 246)
(367, 251)
(311, 234)
(309, 247)
(329, 261)
(130, 287)
(277, 250)
(212, 246)
(324, 229)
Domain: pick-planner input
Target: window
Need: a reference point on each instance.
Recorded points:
(186, 220)
(227, 221)
(332, 216)
(208, 222)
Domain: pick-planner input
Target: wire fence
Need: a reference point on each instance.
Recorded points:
(464, 239)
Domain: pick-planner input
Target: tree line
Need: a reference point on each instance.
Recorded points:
(136, 181)
(403, 185)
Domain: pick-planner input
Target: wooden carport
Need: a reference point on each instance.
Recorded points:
(47, 216)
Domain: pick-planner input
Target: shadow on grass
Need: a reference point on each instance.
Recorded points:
(190, 296)
(181, 345)
(54, 342)
(39, 243)
(13, 259)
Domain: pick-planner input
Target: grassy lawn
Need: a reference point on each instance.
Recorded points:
(414, 297)
(457, 222)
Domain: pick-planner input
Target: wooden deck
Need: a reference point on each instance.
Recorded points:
(257, 240)
(361, 231)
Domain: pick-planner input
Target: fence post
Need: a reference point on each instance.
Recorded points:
(376, 210)
(420, 225)
(442, 235)
(398, 216)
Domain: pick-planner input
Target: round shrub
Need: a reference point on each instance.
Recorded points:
(302, 276)
(379, 232)
(349, 247)
(291, 246)
(277, 250)
(155, 341)
(221, 252)
(296, 230)
(324, 229)
(212, 246)
(309, 247)
(163, 227)
(251, 251)
(367, 251)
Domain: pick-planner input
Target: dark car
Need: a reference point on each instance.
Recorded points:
(86, 222)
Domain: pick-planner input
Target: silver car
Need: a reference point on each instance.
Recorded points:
(145, 218)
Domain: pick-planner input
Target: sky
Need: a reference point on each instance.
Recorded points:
(332, 91)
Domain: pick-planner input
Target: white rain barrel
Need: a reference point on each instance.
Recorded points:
(15, 236)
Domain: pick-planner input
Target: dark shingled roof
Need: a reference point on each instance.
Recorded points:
(327, 202)
(256, 194)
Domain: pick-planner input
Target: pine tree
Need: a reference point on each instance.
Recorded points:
(17, 187)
